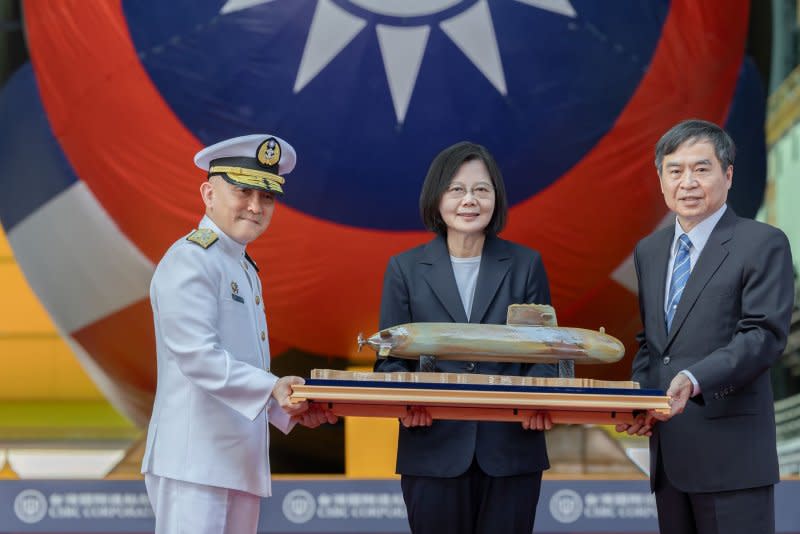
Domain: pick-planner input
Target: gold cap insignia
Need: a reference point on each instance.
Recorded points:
(269, 152)
(256, 161)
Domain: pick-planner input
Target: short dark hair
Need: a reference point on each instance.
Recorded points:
(696, 130)
(444, 166)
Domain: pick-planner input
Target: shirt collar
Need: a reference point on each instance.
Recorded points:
(229, 245)
(700, 233)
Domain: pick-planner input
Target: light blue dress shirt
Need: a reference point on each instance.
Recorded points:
(699, 237)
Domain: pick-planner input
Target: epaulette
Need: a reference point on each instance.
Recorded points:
(248, 258)
(205, 237)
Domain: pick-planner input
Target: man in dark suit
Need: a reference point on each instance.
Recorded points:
(716, 296)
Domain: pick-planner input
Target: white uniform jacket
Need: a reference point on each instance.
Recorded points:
(209, 422)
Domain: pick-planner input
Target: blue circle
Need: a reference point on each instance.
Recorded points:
(230, 74)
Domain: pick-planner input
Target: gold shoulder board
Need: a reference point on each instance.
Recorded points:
(203, 237)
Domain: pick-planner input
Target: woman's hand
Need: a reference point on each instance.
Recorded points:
(316, 415)
(416, 416)
(538, 421)
(642, 426)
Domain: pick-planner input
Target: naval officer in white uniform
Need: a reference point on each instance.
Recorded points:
(206, 462)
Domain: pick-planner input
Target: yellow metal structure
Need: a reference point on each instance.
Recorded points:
(370, 444)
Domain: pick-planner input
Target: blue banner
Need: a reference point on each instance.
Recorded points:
(344, 505)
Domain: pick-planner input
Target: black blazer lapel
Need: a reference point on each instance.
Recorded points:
(495, 263)
(714, 253)
(439, 276)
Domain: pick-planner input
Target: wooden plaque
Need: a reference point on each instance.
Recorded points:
(479, 397)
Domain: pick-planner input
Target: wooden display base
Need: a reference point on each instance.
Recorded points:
(491, 399)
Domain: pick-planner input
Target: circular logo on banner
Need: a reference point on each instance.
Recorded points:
(299, 506)
(566, 506)
(30, 506)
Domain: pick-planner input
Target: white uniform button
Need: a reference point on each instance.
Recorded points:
(258, 300)
(263, 336)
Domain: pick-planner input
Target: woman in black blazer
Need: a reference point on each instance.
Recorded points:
(466, 476)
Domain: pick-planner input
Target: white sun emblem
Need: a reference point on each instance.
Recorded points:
(402, 46)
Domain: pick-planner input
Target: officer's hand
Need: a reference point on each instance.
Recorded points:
(680, 389)
(316, 415)
(417, 416)
(281, 392)
(538, 421)
(642, 426)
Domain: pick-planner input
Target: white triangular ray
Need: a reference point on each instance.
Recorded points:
(402, 50)
(472, 31)
(238, 5)
(562, 7)
(79, 281)
(332, 28)
(625, 273)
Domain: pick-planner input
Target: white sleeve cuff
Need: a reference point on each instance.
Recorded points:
(695, 384)
(278, 418)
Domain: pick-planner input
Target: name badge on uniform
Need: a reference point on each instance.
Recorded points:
(235, 293)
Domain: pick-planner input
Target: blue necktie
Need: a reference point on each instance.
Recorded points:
(680, 273)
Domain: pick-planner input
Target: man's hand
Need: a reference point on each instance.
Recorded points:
(642, 426)
(680, 389)
(538, 421)
(416, 416)
(281, 392)
(316, 415)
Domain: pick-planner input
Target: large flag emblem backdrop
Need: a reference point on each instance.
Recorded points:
(99, 130)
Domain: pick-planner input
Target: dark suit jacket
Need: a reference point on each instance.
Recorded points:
(730, 327)
(419, 286)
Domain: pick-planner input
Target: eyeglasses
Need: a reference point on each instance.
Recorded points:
(481, 191)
